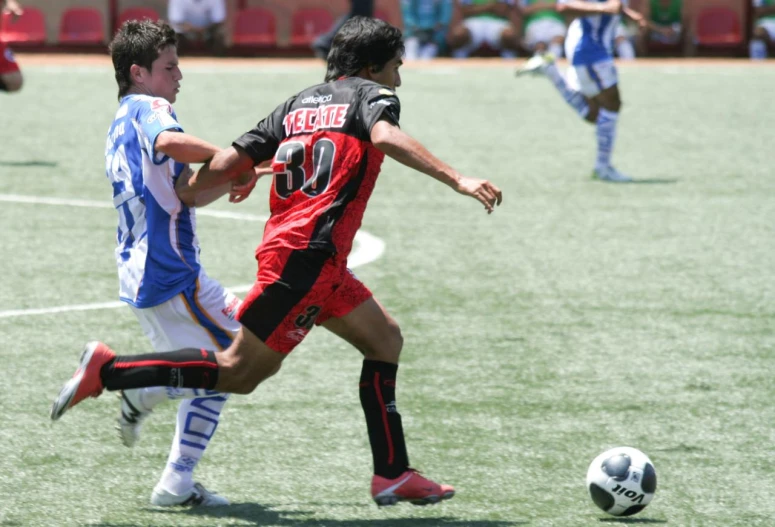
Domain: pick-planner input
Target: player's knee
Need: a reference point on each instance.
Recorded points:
(760, 33)
(13, 81)
(458, 37)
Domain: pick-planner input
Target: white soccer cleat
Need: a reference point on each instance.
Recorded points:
(611, 175)
(132, 416)
(536, 64)
(198, 496)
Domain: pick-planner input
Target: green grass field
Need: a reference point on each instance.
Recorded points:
(578, 317)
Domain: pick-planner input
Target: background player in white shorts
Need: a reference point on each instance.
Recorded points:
(157, 251)
(590, 86)
(199, 21)
(490, 22)
(763, 28)
(543, 27)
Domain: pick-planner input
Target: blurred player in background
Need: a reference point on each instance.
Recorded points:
(425, 27)
(161, 279)
(322, 45)
(327, 144)
(543, 27)
(199, 21)
(10, 75)
(591, 85)
(491, 22)
(763, 28)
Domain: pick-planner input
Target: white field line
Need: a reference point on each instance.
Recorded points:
(366, 249)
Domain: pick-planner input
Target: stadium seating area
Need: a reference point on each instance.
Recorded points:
(287, 26)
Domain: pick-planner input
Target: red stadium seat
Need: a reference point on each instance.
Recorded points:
(30, 28)
(309, 23)
(254, 27)
(82, 25)
(136, 13)
(719, 27)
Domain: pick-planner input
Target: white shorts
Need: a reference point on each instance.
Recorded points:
(591, 79)
(200, 317)
(769, 27)
(198, 13)
(485, 31)
(543, 30)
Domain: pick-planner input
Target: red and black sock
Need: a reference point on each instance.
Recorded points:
(386, 434)
(187, 368)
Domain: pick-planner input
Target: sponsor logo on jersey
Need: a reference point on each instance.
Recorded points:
(317, 99)
(159, 104)
(383, 91)
(308, 120)
(231, 309)
(297, 335)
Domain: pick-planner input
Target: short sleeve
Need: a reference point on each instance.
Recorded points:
(378, 102)
(157, 116)
(261, 142)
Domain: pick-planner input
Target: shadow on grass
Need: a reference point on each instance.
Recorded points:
(256, 514)
(653, 181)
(50, 164)
(631, 521)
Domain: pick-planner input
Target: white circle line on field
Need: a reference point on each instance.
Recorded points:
(366, 249)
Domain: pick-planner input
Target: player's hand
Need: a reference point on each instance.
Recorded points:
(14, 8)
(245, 183)
(482, 190)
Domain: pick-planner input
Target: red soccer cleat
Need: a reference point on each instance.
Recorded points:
(409, 486)
(86, 382)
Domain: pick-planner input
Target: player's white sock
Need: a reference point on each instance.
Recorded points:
(196, 424)
(556, 49)
(575, 99)
(606, 134)
(625, 49)
(758, 49)
(155, 395)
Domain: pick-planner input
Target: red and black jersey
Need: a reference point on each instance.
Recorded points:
(325, 166)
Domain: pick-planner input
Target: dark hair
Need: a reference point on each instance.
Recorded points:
(138, 42)
(363, 42)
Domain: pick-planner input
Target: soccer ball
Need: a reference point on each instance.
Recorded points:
(622, 481)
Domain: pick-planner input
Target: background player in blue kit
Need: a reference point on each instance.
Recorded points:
(157, 251)
(590, 85)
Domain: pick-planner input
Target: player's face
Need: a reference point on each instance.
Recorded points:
(389, 76)
(165, 75)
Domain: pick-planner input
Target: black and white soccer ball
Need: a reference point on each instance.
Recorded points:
(622, 481)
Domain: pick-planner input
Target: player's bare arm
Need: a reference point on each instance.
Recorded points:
(185, 148)
(400, 146)
(230, 168)
(581, 8)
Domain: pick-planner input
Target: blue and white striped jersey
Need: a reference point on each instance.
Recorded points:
(590, 38)
(157, 249)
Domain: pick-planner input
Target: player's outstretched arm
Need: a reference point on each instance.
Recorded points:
(217, 175)
(582, 8)
(408, 151)
(184, 148)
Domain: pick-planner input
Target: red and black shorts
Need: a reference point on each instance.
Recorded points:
(7, 61)
(295, 290)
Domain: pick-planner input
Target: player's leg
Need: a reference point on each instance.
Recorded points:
(502, 35)
(465, 38)
(622, 43)
(763, 34)
(603, 74)
(358, 318)
(11, 79)
(411, 48)
(202, 316)
(566, 86)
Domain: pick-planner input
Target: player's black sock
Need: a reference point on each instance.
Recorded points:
(386, 434)
(3, 87)
(187, 368)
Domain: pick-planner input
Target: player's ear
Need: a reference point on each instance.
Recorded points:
(136, 73)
